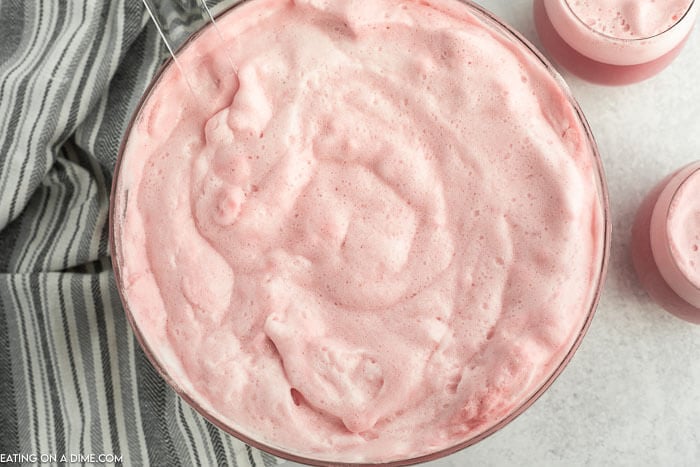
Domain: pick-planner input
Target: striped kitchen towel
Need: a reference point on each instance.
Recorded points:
(73, 380)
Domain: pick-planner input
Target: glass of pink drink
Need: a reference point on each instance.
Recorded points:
(614, 42)
(666, 243)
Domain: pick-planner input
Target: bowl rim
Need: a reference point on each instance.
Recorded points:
(507, 32)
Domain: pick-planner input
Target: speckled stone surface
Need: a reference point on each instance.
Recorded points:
(631, 394)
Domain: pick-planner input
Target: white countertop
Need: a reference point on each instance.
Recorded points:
(631, 394)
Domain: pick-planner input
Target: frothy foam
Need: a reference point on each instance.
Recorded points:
(684, 228)
(375, 242)
(622, 32)
(630, 19)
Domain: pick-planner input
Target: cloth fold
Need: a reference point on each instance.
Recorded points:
(73, 379)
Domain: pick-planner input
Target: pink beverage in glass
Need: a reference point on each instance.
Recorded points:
(614, 42)
(666, 243)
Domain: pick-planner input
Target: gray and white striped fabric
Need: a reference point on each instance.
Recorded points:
(73, 380)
